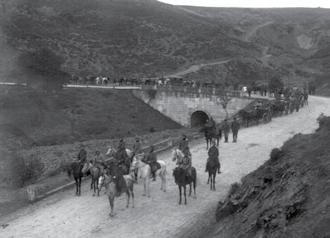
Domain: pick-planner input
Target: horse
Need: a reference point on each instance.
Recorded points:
(182, 178)
(211, 133)
(145, 173)
(95, 174)
(75, 168)
(212, 167)
(111, 152)
(109, 181)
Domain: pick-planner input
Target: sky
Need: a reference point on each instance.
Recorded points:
(252, 3)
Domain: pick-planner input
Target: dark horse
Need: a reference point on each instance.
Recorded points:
(75, 168)
(212, 167)
(211, 133)
(182, 178)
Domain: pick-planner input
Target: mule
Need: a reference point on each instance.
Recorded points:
(182, 178)
(145, 173)
(75, 168)
(109, 181)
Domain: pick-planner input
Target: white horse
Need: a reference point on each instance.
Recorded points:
(145, 173)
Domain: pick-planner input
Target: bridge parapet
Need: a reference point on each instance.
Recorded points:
(194, 91)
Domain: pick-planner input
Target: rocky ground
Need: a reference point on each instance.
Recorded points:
(63, 215)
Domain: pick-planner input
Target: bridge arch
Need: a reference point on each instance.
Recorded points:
(198, 119)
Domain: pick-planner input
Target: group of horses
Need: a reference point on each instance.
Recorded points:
(108, 176)
(265, 110)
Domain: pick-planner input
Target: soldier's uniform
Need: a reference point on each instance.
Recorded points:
(82, 155)
(213, 154)
(151, 159)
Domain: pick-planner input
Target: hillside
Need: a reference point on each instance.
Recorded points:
(294, 40)
(30, 117)
(119, 38)
(286, 197)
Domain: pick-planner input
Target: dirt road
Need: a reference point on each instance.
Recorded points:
(196, 67)
(64, 215)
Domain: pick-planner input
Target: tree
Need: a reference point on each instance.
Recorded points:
(224, 100)
(275, 85)
(44, 66)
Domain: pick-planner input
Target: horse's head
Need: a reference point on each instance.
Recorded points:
(111, 152)
(177, 154)
(100, 182)
(136, 161)
(129, 153)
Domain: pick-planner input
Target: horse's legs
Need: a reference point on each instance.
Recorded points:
(180, 191)
(148, 186)
(111, 201)
(92, 181)
(185, 196)
(79, 185)
(194, 184)
(144, 187)
(214, 175)
(132, 193)
(97, 187)
(210, 178)
(76, 183)
(189, 189)
(127, 197)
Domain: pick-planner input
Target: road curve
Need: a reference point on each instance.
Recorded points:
(64, 215)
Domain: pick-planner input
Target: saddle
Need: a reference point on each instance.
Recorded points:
(155, 166)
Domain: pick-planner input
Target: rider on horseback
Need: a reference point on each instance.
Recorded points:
(185, 162)
(98, 161)
(151, 159)
(213, 156)
(121, 155)
(82, 155)
(137, 147)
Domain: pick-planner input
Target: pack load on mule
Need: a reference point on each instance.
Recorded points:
(259, 110)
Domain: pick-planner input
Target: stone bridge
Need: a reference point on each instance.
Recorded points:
(191, 109)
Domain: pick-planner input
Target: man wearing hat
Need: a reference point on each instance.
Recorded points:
(82, 155)
(226, 129)
(213, 154)
(137, 147)
(151, 159)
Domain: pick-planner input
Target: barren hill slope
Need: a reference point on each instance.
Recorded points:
(119, 38)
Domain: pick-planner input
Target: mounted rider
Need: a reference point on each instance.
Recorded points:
(137, 147)
(185, 162)
(121, 155)
(151, 159)
(213, 154)
(98, 161)
(82, 155)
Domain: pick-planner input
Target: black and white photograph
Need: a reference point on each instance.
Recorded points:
(164, 119)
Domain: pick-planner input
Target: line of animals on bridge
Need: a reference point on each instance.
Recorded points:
(122, 167)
